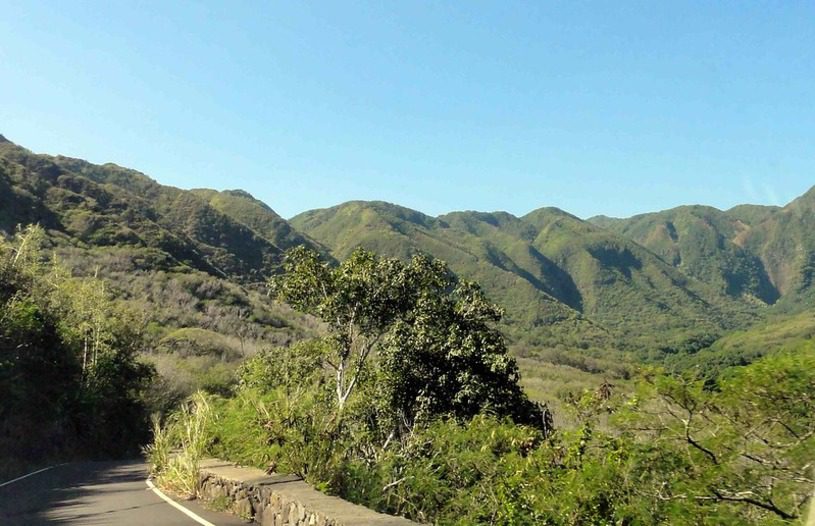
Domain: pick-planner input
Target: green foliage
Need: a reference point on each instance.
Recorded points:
(744, 449)
(187, 429)
(293, 367)
(744, 347)
(446, 357)
(159, 450)
(436, 349)
(69, 378)
(670, 453)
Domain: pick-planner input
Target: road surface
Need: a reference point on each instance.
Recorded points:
(97, 493)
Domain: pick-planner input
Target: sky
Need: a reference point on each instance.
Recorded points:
(612, 108)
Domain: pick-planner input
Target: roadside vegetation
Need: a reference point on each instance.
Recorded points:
(70, 381)
(412, 405)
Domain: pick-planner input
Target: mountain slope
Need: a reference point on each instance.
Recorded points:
(258, 216)
(703, 243)
(108, 205)
(763, 254)
(785, 244)
(395, 231)
(651, 281)
(165, 252)
(546, 261)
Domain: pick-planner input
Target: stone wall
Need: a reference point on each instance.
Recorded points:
(281, 500)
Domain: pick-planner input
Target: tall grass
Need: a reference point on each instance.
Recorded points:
(158, 452)
(178, 471)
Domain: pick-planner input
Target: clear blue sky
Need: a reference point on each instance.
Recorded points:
(598, 108)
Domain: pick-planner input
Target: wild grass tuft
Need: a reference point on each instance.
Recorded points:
(187, 430)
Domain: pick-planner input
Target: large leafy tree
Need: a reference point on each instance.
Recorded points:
(445, 356)
(434, 338)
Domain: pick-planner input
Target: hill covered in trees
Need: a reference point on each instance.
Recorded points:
(192, 264)
(412, 405)
(674, 349)
(761, 254)
(671, 280)
(562, 280)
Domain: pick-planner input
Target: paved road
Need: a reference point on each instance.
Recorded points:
(95, 493)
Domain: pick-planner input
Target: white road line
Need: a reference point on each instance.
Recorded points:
(177, 506)
(29, 475)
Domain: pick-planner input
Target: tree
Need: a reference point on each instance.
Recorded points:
(445, 356)
(439, 349)
(70, 380)
(746, 446)
(359, 301)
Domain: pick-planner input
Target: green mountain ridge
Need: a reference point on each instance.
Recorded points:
(225, 234)
(650, 281)
(163, 251)
(548, 259)
(764, 254)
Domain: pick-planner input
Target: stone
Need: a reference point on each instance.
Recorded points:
(243, 508)
(280, 500)
(267, 517)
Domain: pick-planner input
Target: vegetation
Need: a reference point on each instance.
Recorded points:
(567, 285)
(754, 253)
(744, 347)
(704, 243)
(667, 450)
(186, 431)
(70, 380)
(565, 282)
(191, 274)
(385, 376)
(436, 349)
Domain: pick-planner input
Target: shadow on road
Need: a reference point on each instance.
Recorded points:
(84, 493)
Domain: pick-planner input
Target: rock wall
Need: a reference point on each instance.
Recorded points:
(281, 500)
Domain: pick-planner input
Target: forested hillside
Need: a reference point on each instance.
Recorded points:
(651, 370)
(562, 280)
(412, 406)
(760, 254)
(72, 383)
(197, 259)
(183, 260)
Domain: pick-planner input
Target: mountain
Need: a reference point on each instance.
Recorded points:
(762, 254)
(556, 274)
(702, 242)
(229, 234)
(785, 244)
(182, 259)
(534, 315)
(257, 215)
(667, 280)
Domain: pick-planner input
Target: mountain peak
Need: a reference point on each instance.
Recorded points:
(804, 203)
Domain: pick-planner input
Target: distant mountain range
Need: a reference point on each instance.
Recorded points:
(656, 280)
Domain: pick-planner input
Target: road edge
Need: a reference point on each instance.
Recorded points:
(179, 507)
(12, 481)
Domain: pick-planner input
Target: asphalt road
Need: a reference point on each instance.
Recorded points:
(96, 493)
